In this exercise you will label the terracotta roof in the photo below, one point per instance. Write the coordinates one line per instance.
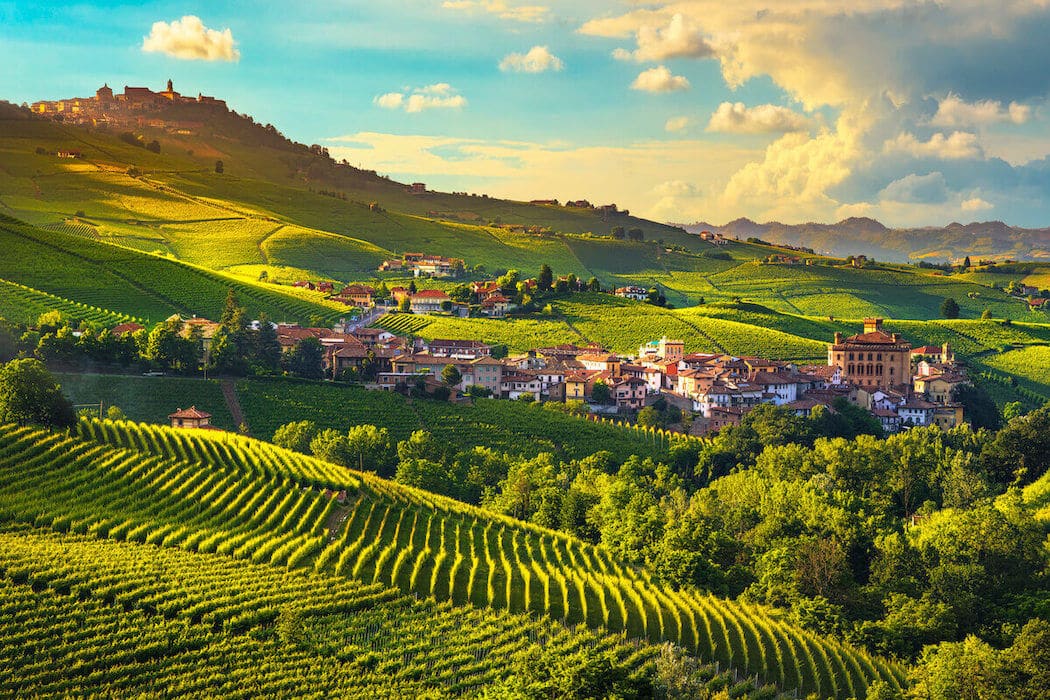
(926, 350)
(125, 328)
(191, 412)
(873, 338)
(430, 294)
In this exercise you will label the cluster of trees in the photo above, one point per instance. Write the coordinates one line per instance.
(136, 140)
(238, 347)
(634, 234)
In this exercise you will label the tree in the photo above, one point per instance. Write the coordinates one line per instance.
(1014, 409)
(986, 314)
(267, 346)
(30, 395)
(166, 346)
(594, 285)
(600, 392)
(405, 305)
(412, 288)
(296, 435)
(636, 234)
(219, 167)
(306, 359)
(649, 417)
(369, 448)
(978, 407)
(477, 391)
(153, 146)
(966, 261)
(949, 308)
(331, 446)
(451, 375)
(545, 279)
(618, 233)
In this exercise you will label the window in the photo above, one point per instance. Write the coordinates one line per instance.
(851, 356)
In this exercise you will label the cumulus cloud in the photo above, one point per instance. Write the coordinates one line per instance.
(954, 111)
(679, 38)
(189, 40)
(416, 100)
(502, 9)
(676, 124)
(736, 118)
(537, 60)
(957, 146)
(659, 79)
(976, 204)
(930, 188)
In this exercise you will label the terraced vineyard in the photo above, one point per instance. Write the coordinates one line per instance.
(135, 619)
(228, 495)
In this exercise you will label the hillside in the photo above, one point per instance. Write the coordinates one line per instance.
(281, 211)
(993, 240)
(231, 499)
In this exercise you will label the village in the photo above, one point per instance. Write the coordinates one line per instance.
(900, 385)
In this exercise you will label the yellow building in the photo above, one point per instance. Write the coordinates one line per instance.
(872, 359)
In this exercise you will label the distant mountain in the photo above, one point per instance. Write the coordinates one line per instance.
(862, 235)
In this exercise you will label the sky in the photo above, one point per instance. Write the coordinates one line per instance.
(913, 112)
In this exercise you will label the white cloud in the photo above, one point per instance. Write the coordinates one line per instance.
(958, 146)
(954, 111)
(502, 9)
(736, 118)
(190, 40)
(391, 100)
(537, 60)
(676, 124)
(976, 204)
(930, 188)
(415, 100)
(659, 79)
(679, 38)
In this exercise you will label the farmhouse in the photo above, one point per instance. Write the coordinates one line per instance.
(428, 301)
(632, 292)
(191, 417)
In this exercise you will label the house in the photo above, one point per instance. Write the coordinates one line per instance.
(629, 393)
(632, 292)
(495, 306)
(577, 386)
(663, 349)
(601, 362)
(68, 153)
(484, 371)
(517, 382)
(417, 188)
(948, 416)
(1037, 304)
(304, 284)
(428, 301)
(890, 420)
(373, 337)
(392, 266)
(939, 387)
(359, 295)
(459, 349)
(720, 417)
(191, 417)
(399, 293)
(916, 411)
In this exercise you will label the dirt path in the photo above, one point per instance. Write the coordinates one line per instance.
(229, 392)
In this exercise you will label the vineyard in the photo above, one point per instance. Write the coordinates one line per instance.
(133, 283)
(199, 493)
(505, 426)
(21, 304)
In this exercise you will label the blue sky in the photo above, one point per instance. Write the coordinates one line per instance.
(912, 112)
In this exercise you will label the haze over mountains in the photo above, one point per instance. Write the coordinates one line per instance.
(862, 235)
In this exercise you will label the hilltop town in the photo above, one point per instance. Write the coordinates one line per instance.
(135, 106)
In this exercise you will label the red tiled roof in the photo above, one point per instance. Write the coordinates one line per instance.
(125, 328)
(191, 412)
(430, 294)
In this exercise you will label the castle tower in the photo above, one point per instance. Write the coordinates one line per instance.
(104, 93)
(171, 88)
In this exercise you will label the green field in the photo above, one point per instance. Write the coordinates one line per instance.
(141, 485)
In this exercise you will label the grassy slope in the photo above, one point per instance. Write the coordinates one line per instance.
(148, 399)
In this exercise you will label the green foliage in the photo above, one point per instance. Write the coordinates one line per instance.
(29, 395)
(306, 359)
(949, 308)
(296, 436)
